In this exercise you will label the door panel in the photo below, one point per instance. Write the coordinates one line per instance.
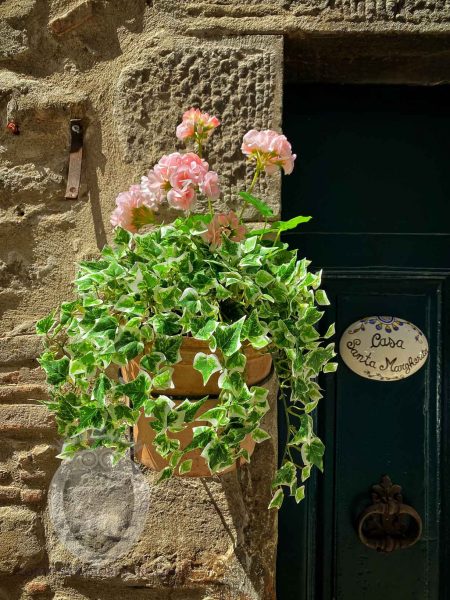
(389, 255)
(384, 428)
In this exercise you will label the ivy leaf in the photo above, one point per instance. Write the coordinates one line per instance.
(216, 416)
(56, 370)
(322, 298)
(259, 435)
(89, 417)
(206, 364)
(185, 467)
(190, 300)
(299, 494)
(249, 244)
(202, 328)
(125, 414)
(105, 325)
(308, 333)
(161, 409)
(101, 387)
(254, 332)
(228, 337)
(330, 331)
(236, 362)
(285, 475)
(137, 390)
(232, 381)
(312, 453)
(201, 437)
(165, 445)
(330, 367)
(169, 346)
(277, 499)
(163, 380)
(168, 297)
(306, 472)
(218, 456)
(263, 278)
(165, 474)
(151, 362)
(122, 236)
(317, 358)
(44, 325)
(304, 431)
(125, 304)
(261, 206)
(189, 409)
(166, 323)
(131, 350)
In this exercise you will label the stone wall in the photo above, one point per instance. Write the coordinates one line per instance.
(128, 69)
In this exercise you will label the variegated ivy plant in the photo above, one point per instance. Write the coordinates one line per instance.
(203, 276)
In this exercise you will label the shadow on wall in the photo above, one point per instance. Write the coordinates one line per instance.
(94, 161)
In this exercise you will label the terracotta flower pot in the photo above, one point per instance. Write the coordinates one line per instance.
(189, 384)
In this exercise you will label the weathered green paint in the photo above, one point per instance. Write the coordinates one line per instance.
(373, 170)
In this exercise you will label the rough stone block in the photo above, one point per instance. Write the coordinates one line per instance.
(23, 418)
(12, 41)
(281, 15)
(23, 393)
(5, 476)
(37, 586)
(238, 79)
(9, 494)
(32, 496)
(37, 466)
(19, 349)
(21, 540)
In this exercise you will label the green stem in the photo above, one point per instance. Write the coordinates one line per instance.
(250, 189)
(198, 143)
(264, 229)
(288, 425)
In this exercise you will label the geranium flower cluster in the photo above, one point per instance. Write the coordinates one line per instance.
(270, 150)
(224, 224)
(178, 178)
(196, 126)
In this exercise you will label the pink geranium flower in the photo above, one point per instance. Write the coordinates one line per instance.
(196, 125)
(129, 205)
(270, 149)
(178, 177)
(224, 224)
(210, 185)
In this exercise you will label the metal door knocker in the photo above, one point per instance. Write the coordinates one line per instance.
(388, 524)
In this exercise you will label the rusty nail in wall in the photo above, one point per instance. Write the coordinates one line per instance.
(13, 127)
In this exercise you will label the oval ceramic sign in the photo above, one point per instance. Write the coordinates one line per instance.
(383, 348)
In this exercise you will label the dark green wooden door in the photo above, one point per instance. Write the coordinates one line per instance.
(374, 171)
